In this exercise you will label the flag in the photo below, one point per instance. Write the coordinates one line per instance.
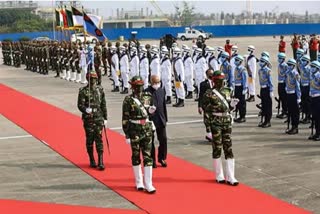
(57, 18)
(64, 18)
(91, 28)
(97, 20)
(69, 19)
(77, 17)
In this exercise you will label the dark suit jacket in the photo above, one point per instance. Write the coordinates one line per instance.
(204, 86)
(160, 117)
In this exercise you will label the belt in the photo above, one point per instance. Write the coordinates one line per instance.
(219, 114)
(281, 81)
(306, 84)
(238, 84)
(315, 95)
(140, 122)
(291, 92)
(264, 86)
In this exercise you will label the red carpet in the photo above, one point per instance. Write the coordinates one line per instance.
(181, 188)
(14, 207)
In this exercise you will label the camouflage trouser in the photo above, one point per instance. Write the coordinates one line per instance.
(141, 143)
(221, 137)
(206, 123)
(93, 132)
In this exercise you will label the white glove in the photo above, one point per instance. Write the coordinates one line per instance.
(152, 109)
(244, 92)
(89, 110)
(271, 94)
(299, 101)
(128, 141)
(234, 102)
(105, 122)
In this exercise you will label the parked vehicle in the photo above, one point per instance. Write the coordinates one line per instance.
(191, 33)
(79, 37)
(41, 38)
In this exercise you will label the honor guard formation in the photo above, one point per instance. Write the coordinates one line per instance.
(219, 79)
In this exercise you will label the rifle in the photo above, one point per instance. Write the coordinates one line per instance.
(278, 106)
(105, 134)
(259, 106)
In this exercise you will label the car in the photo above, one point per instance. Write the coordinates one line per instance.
(79, 37)
(41, 38)
(191, 33)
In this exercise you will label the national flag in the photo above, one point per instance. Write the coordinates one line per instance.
(64, 18)
(57, 18)
(77, 17)
(69, 19)
(91, 28)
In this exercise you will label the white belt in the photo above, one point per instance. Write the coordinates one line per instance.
(140, 122)
(315, 95)
(264, 86)
(238, 84)
(306, 84)
(220, 114)
(281, 81)
(291, 92)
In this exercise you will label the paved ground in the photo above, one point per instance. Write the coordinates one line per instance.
(286, 167)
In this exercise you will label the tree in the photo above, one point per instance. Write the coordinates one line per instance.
(185, 14)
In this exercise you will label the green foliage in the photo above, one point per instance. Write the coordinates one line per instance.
(185, 14)
(21, 20)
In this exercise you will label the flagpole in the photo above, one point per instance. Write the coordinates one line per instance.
(53, 20)
(84, 33)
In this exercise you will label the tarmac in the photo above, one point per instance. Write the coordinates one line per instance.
(286, 167)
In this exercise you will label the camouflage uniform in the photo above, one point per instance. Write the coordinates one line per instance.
(139, 134)
(217, 103)
(94, 98)
(138, 130)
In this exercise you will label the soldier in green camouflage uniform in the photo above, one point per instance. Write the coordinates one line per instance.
(136, 110)
(217, 104)
(92, 104)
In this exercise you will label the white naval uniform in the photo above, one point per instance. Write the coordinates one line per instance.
(155, 66)
(124, 68)
(179, 68)
(114, 69)
(134, 66)
(144, 71)
(188, 72)
(252, 65)
(201, 67)
(165, 69)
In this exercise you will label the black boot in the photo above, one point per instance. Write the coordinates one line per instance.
(91, 158)
(125, 91)
(168, 101)
(293, 130)
(240, 120)
(116, 89)
(266, 125)
(100, 161)
(189, 96)
(251, 98)
(180, 103)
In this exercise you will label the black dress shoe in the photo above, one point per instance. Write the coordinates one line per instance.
(240, 120)
(316, 138)
(260, 124)
(233, 184)
(251, 99)
(311, 137)
(266, 125)
(163, 163)
(220, 181)
(293, 130)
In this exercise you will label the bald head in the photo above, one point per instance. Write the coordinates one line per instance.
(155, 79)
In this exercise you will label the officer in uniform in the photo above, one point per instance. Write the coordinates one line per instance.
(282, 69)
(201, 67)
(155, 62)
(92, 104)
(124, 68)
(178, 71)
(165, 69)
(97, 63)
(188, 70)
(266, 91)
(136, 110)
(134, 62)
(305, 88)
(144, 67)
(315, 98)
(227, 69)
(115, 71)
(293, 96)
(217, 104)
(212, 61)
(252, 70)
(241, 88)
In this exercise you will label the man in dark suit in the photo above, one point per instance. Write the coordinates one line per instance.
(204, 86)
(159, 119)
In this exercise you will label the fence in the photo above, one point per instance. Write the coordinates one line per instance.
(216, 30)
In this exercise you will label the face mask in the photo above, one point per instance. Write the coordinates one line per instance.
(249, 52)
(162, 55)
(261, 64)
(304, 63)
(291, 67)
(280, 60)
(222, 59)
(237, 63)
(156, 86)
(313, 69)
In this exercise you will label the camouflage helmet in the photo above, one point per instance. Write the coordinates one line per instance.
(136, 81)
(218, 75)
(92, 75)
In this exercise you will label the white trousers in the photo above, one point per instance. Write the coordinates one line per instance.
(189, 82)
